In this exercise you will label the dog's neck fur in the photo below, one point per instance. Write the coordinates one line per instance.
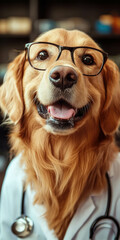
(64, 170)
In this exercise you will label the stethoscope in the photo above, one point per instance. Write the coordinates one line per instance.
(23, 225)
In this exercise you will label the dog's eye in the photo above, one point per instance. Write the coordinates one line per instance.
(88, 59)
(43, 55)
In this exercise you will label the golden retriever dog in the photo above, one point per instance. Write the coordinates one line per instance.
(61, 96)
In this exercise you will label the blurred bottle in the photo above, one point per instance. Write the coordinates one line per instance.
(104, 24)
(116, 23)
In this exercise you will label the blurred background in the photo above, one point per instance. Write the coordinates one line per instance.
(22, 20)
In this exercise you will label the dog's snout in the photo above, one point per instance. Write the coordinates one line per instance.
(63, 77)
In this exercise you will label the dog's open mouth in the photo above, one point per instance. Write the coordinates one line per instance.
(61, 114)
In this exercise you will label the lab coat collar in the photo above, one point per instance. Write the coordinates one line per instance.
(114, 165)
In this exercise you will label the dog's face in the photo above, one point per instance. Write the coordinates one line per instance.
(63, 88)
(64, 97)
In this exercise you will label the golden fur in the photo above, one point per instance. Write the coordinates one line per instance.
(62, 167)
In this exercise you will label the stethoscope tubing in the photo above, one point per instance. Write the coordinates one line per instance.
(22, 205)
(107, 212)
(94, 225)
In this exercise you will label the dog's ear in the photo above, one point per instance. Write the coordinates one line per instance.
(110, 114)
(11, 101)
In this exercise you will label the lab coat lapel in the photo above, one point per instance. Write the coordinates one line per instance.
(37, 212)
(82, 214)
(49, 234)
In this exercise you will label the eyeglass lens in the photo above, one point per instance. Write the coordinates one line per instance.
(88, 60)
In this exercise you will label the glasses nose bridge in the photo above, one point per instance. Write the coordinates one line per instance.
(70, 49)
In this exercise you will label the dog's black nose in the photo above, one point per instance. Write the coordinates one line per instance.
(63, 77)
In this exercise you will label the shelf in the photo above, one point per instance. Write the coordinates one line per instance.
(112, 36)
(14, 35)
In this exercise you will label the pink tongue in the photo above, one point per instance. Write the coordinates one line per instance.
(61, 111)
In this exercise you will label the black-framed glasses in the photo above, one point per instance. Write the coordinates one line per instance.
(88, 59)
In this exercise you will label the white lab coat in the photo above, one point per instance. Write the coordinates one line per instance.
(79, 226)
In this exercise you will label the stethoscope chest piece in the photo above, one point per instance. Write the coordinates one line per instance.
(22, 227)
